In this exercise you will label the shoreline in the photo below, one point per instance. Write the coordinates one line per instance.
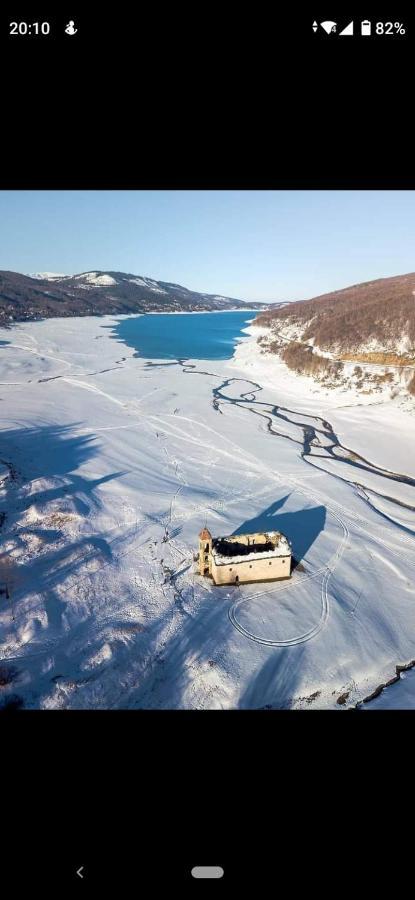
(276, 374)
(159, 312)
(193, 312)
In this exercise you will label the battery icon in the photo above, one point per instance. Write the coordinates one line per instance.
(366, 27)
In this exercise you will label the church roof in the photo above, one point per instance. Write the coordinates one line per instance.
(230, 550)
(205, 535)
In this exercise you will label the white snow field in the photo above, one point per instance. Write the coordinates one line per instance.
(109, 467)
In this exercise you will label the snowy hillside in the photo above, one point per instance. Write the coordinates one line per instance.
(361, 337)
(47, 276)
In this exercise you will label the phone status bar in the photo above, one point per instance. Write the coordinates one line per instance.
(361, 28)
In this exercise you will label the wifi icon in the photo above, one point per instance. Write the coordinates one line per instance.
(329, 27)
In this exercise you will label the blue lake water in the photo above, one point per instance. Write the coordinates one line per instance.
(210, 335)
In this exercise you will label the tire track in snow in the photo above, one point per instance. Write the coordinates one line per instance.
(92, 388)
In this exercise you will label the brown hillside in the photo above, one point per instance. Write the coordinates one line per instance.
(348, 319)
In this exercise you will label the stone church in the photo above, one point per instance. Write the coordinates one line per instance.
(265, 556)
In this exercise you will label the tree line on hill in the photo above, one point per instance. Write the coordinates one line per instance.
(381, 310)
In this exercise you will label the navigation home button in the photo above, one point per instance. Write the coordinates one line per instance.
(207, 872)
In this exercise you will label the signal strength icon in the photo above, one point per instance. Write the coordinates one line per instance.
(347, 30)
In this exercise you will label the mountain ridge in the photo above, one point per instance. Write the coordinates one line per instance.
(43, 295)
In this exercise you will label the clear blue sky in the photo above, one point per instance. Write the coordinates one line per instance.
(254, 245)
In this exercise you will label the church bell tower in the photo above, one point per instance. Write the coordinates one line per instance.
(205, 552)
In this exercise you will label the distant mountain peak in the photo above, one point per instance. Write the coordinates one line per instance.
(47, 276)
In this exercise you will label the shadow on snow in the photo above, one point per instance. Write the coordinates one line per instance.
(301, 528)
(33, 454)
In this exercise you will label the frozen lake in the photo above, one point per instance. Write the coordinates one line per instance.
(211, 335)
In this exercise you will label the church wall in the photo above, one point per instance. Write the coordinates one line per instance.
(256, 570)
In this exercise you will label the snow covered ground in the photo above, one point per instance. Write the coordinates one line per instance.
(109, 467)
